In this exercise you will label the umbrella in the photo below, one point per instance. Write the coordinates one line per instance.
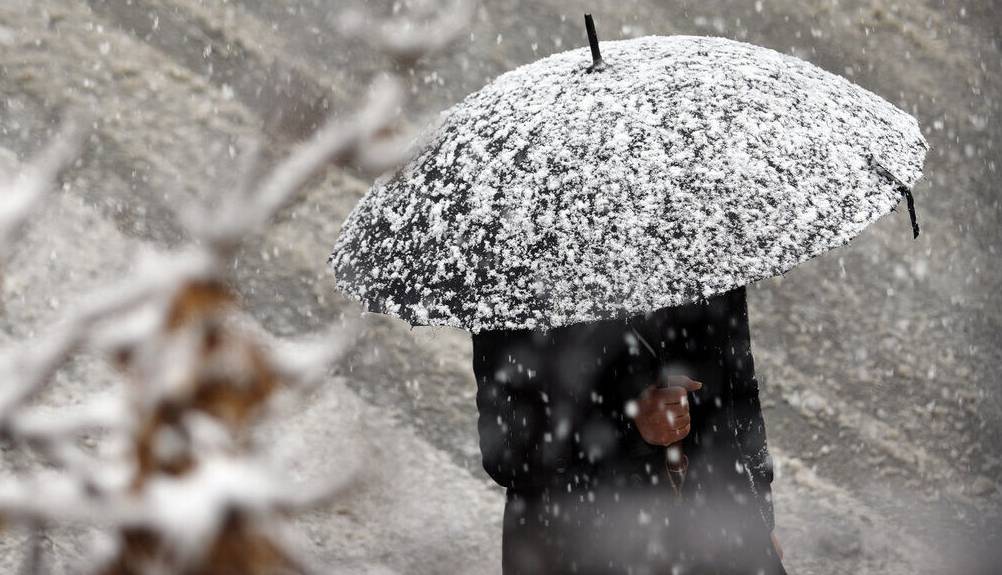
(655, 172)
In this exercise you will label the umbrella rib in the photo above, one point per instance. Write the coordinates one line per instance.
(644, 341)
(903, 188)
(910, 200)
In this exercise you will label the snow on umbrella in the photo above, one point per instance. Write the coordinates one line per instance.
(580, 188)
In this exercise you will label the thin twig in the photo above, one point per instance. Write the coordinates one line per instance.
(20, 196)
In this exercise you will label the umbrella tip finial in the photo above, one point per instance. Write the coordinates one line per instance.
(596, 56)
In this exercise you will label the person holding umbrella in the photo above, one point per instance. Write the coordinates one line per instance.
(575, 423)
(593, 222)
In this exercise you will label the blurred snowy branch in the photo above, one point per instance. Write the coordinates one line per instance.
(168, 470)
(336, 143)
(177, 486)
(21, 194)
(428, 29)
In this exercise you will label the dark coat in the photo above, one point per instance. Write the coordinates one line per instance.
(586, 494)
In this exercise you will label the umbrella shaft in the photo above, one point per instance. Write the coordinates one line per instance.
(596, 55)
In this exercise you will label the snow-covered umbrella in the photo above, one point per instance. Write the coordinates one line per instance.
(581, 188)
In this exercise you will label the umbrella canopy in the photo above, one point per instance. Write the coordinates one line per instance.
(682, 168)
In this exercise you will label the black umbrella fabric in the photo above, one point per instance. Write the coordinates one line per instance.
(681, 168)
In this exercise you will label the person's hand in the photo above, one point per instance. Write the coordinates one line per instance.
(662, 414)
(779, 548)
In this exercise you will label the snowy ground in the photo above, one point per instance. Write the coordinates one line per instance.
(878, 360)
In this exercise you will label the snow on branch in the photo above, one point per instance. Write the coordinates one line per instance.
(335, 144)
(21, 194)
(168, 471)
(429, 29)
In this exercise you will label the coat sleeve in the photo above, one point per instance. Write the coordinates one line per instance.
(747, 410)
(516, 444)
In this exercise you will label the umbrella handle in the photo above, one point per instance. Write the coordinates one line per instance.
(676, 461)
(676, 466)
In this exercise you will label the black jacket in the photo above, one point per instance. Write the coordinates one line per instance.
(586, 493)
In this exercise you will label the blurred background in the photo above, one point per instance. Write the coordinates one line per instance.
(879, 361)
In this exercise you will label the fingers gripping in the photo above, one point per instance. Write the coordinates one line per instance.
(663, 416)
